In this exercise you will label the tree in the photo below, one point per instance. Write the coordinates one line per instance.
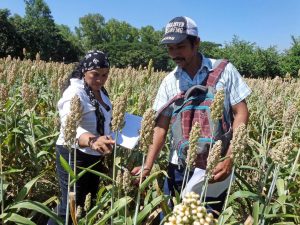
(266, 62)
(120, 31)
(40, 34)
(38, 28)
(70, 37)
(210, 49)
(290, 62)
(10, 41)
(124, 53)
(149, 35)
(91, 30)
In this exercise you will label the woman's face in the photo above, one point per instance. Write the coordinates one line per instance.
(96, 78)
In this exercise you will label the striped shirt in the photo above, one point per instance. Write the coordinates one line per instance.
(178, 80)
(88, 121)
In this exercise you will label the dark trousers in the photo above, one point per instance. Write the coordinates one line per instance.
(88, 183)
(175, 182)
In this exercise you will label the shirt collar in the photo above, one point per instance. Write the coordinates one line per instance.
(76, 82)
(206, 63)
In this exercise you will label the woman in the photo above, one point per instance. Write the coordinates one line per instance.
(94, 142)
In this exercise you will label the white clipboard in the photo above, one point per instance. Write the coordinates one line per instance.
(129, 136)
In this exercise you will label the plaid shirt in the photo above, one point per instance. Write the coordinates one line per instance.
(178, 80)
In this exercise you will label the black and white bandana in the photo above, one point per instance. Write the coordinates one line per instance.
(94, 60)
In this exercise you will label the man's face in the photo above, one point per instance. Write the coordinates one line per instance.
(182, 53)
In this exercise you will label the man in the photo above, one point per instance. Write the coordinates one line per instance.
(182, 42)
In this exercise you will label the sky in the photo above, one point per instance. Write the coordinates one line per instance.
(263, 22)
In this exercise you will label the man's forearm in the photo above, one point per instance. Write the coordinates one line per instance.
(159, 139)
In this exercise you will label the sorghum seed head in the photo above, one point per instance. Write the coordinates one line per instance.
(289, 116)
(216, 108)
(190, 212)
(142, 104)
(275, 108)
(119, 109)
(239, 142)
(3, 94)
(147, 129)
(126, 181)
(79, 212)
(119, 179)
(195, 134)
(72, 121)
(28, 94)
(280, 152)
(87, 202)
(213, 157)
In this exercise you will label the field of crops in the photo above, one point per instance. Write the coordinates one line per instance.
(267, 184)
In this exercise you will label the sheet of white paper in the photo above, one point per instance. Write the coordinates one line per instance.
(129, 136)
(197, 181)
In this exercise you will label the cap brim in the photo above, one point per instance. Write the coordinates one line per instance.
(173, 38)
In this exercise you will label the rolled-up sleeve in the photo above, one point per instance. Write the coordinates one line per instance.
(235, 86)
(161, 100)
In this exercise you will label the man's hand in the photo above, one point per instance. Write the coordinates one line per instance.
(137, 172)
(222, 170)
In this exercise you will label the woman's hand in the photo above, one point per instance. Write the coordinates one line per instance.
(103, 144)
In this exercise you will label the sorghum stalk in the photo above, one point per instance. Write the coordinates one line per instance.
(270, 194)
(1, 174)
(227, 196)
(146, 138)
(238, 145)
(119, 109)
(71, 125)
(139, 192)
(126, 188)
(294, 165)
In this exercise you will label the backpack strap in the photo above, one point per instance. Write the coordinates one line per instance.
(213, 76)
(217, 70)
(170, 102)
(193, 89)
